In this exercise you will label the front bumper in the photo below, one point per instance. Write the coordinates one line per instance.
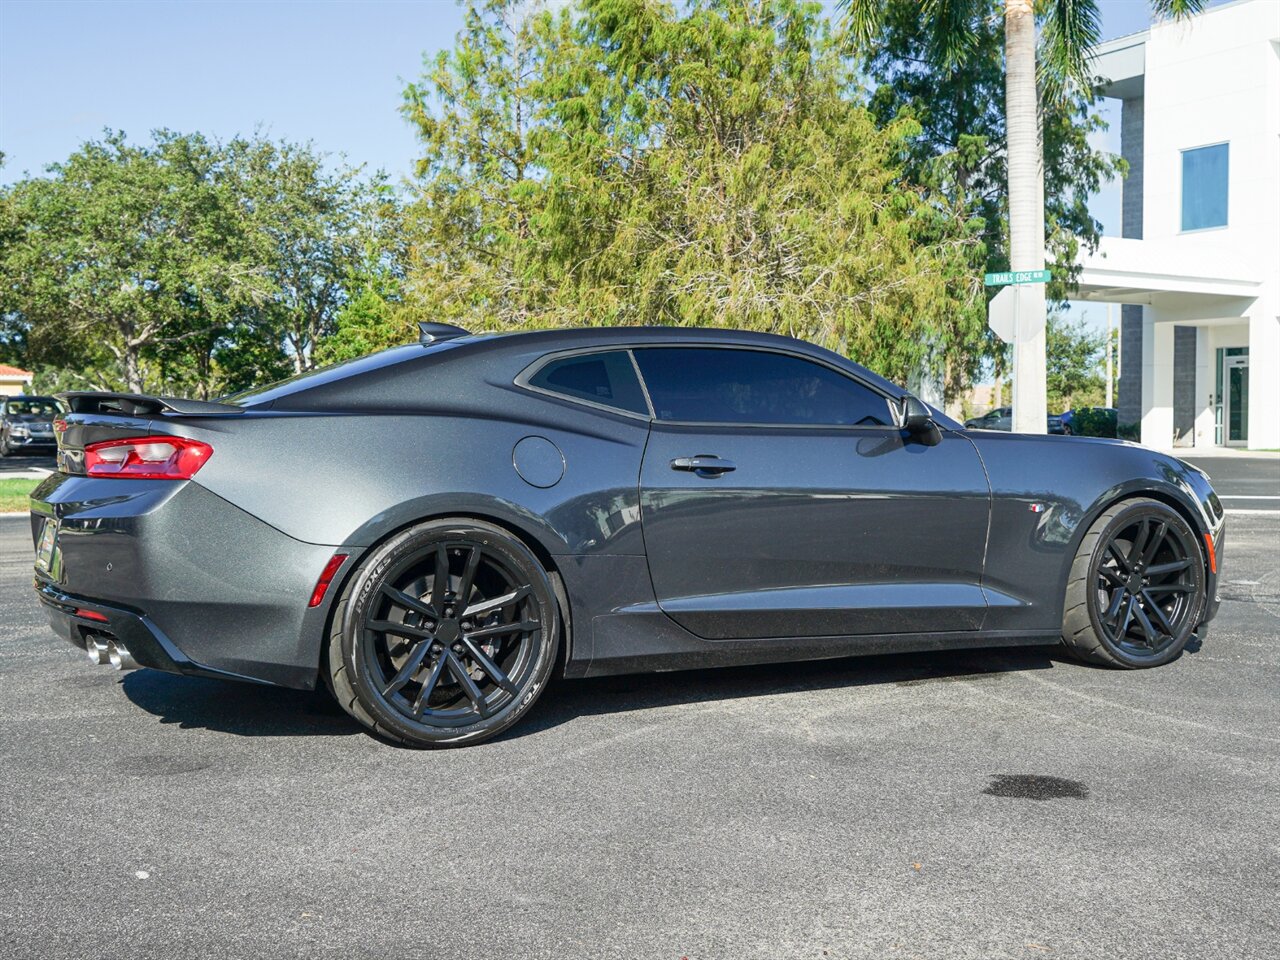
(1214, 578)
(33, 443)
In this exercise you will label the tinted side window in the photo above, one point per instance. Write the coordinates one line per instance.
(754, 386)
(607, 378)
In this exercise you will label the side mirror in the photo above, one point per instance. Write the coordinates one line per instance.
(914, 417)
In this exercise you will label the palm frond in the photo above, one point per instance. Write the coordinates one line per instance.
(1069, 30)
(951, 32)
(863, 18)
(1175, 9)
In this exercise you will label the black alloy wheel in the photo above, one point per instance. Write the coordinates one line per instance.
(447, 635)
(1137, 597)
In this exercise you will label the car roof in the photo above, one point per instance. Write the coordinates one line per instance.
(503, 356)
(576, 338)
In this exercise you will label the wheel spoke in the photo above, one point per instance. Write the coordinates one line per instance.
(1148, 631)
(1112, 575)
(1139, 544)
(468, 576)
(440, 584)
(487, 606)
(399, 629)
(1119, 557)
(489, 667)
(1153, 543)
(521, 626)
(406, 672)
(1128, 616)
(1169, 588)
(1113, 611)
(468, 685)
(1161, 620)
(428, 686)
(1160, 569)
(402, 599)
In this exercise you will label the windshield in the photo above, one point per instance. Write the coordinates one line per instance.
(33, 407)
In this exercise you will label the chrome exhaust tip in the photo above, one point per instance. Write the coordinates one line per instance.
(96, 650)
(120, 656)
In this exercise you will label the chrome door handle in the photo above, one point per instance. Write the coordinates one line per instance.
(703, 465)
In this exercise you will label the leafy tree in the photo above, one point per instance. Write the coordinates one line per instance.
(124, 250)
(1068, 28)
(632, 162)
(306, 227)
(1074, 376)
(182, 266)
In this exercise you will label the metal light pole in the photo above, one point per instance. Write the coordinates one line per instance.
(1109, 394)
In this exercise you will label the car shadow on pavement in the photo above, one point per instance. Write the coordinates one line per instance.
(249, 710)
(570, 699)
(243, 709)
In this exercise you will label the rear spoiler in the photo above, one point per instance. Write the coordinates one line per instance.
(138, 405)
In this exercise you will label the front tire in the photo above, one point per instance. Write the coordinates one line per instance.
(1136, 588)
(446, 635)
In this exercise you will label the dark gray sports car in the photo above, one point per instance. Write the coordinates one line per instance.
(434, 530)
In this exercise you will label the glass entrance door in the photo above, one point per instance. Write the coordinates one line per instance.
(1235, 378)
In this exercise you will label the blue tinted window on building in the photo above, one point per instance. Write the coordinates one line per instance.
(1204, 187)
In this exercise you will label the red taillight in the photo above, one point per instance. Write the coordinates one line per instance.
(146, 458)
(90, 615)
(326, 578)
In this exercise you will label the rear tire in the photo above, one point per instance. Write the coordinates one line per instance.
(1136, 588)
(431, 660)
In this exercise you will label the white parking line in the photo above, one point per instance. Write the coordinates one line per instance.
(1247, 496)
(1253, 513)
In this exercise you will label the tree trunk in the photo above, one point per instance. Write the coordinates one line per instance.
(1026, 212)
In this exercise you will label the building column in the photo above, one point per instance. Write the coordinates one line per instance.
(1157, 384)
(1129, 397)
(1264, 377)
(1205, 382)
(1185, 340)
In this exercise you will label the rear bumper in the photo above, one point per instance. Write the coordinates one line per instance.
(146, 643)
(187, 581)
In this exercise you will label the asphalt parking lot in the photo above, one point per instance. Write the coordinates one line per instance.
(984, 804)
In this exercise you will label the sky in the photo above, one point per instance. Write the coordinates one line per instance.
(327, 71)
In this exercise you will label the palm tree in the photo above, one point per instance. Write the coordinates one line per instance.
(1069, 28)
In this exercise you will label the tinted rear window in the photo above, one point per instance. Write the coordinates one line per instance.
(707, 385)
(606, 378)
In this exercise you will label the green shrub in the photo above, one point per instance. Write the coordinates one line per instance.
(1094, 422)
(1130, 431)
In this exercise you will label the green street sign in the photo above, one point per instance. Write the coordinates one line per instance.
(1015, 276)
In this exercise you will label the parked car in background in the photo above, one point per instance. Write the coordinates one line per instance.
(1091, 422)
(1001, 418)
(26, 423)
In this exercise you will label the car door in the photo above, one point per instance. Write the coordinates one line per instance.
(778, 500)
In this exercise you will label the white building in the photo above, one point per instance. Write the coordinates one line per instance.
(1198, 264)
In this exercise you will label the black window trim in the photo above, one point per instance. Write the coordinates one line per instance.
(528, 373)
(522, 380)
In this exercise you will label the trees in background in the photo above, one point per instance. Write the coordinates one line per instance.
(1073, 373)
(709, 164)
(182, 265)
(1046, 65)
(700, 162)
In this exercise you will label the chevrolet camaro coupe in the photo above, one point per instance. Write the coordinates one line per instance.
(434, 531)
